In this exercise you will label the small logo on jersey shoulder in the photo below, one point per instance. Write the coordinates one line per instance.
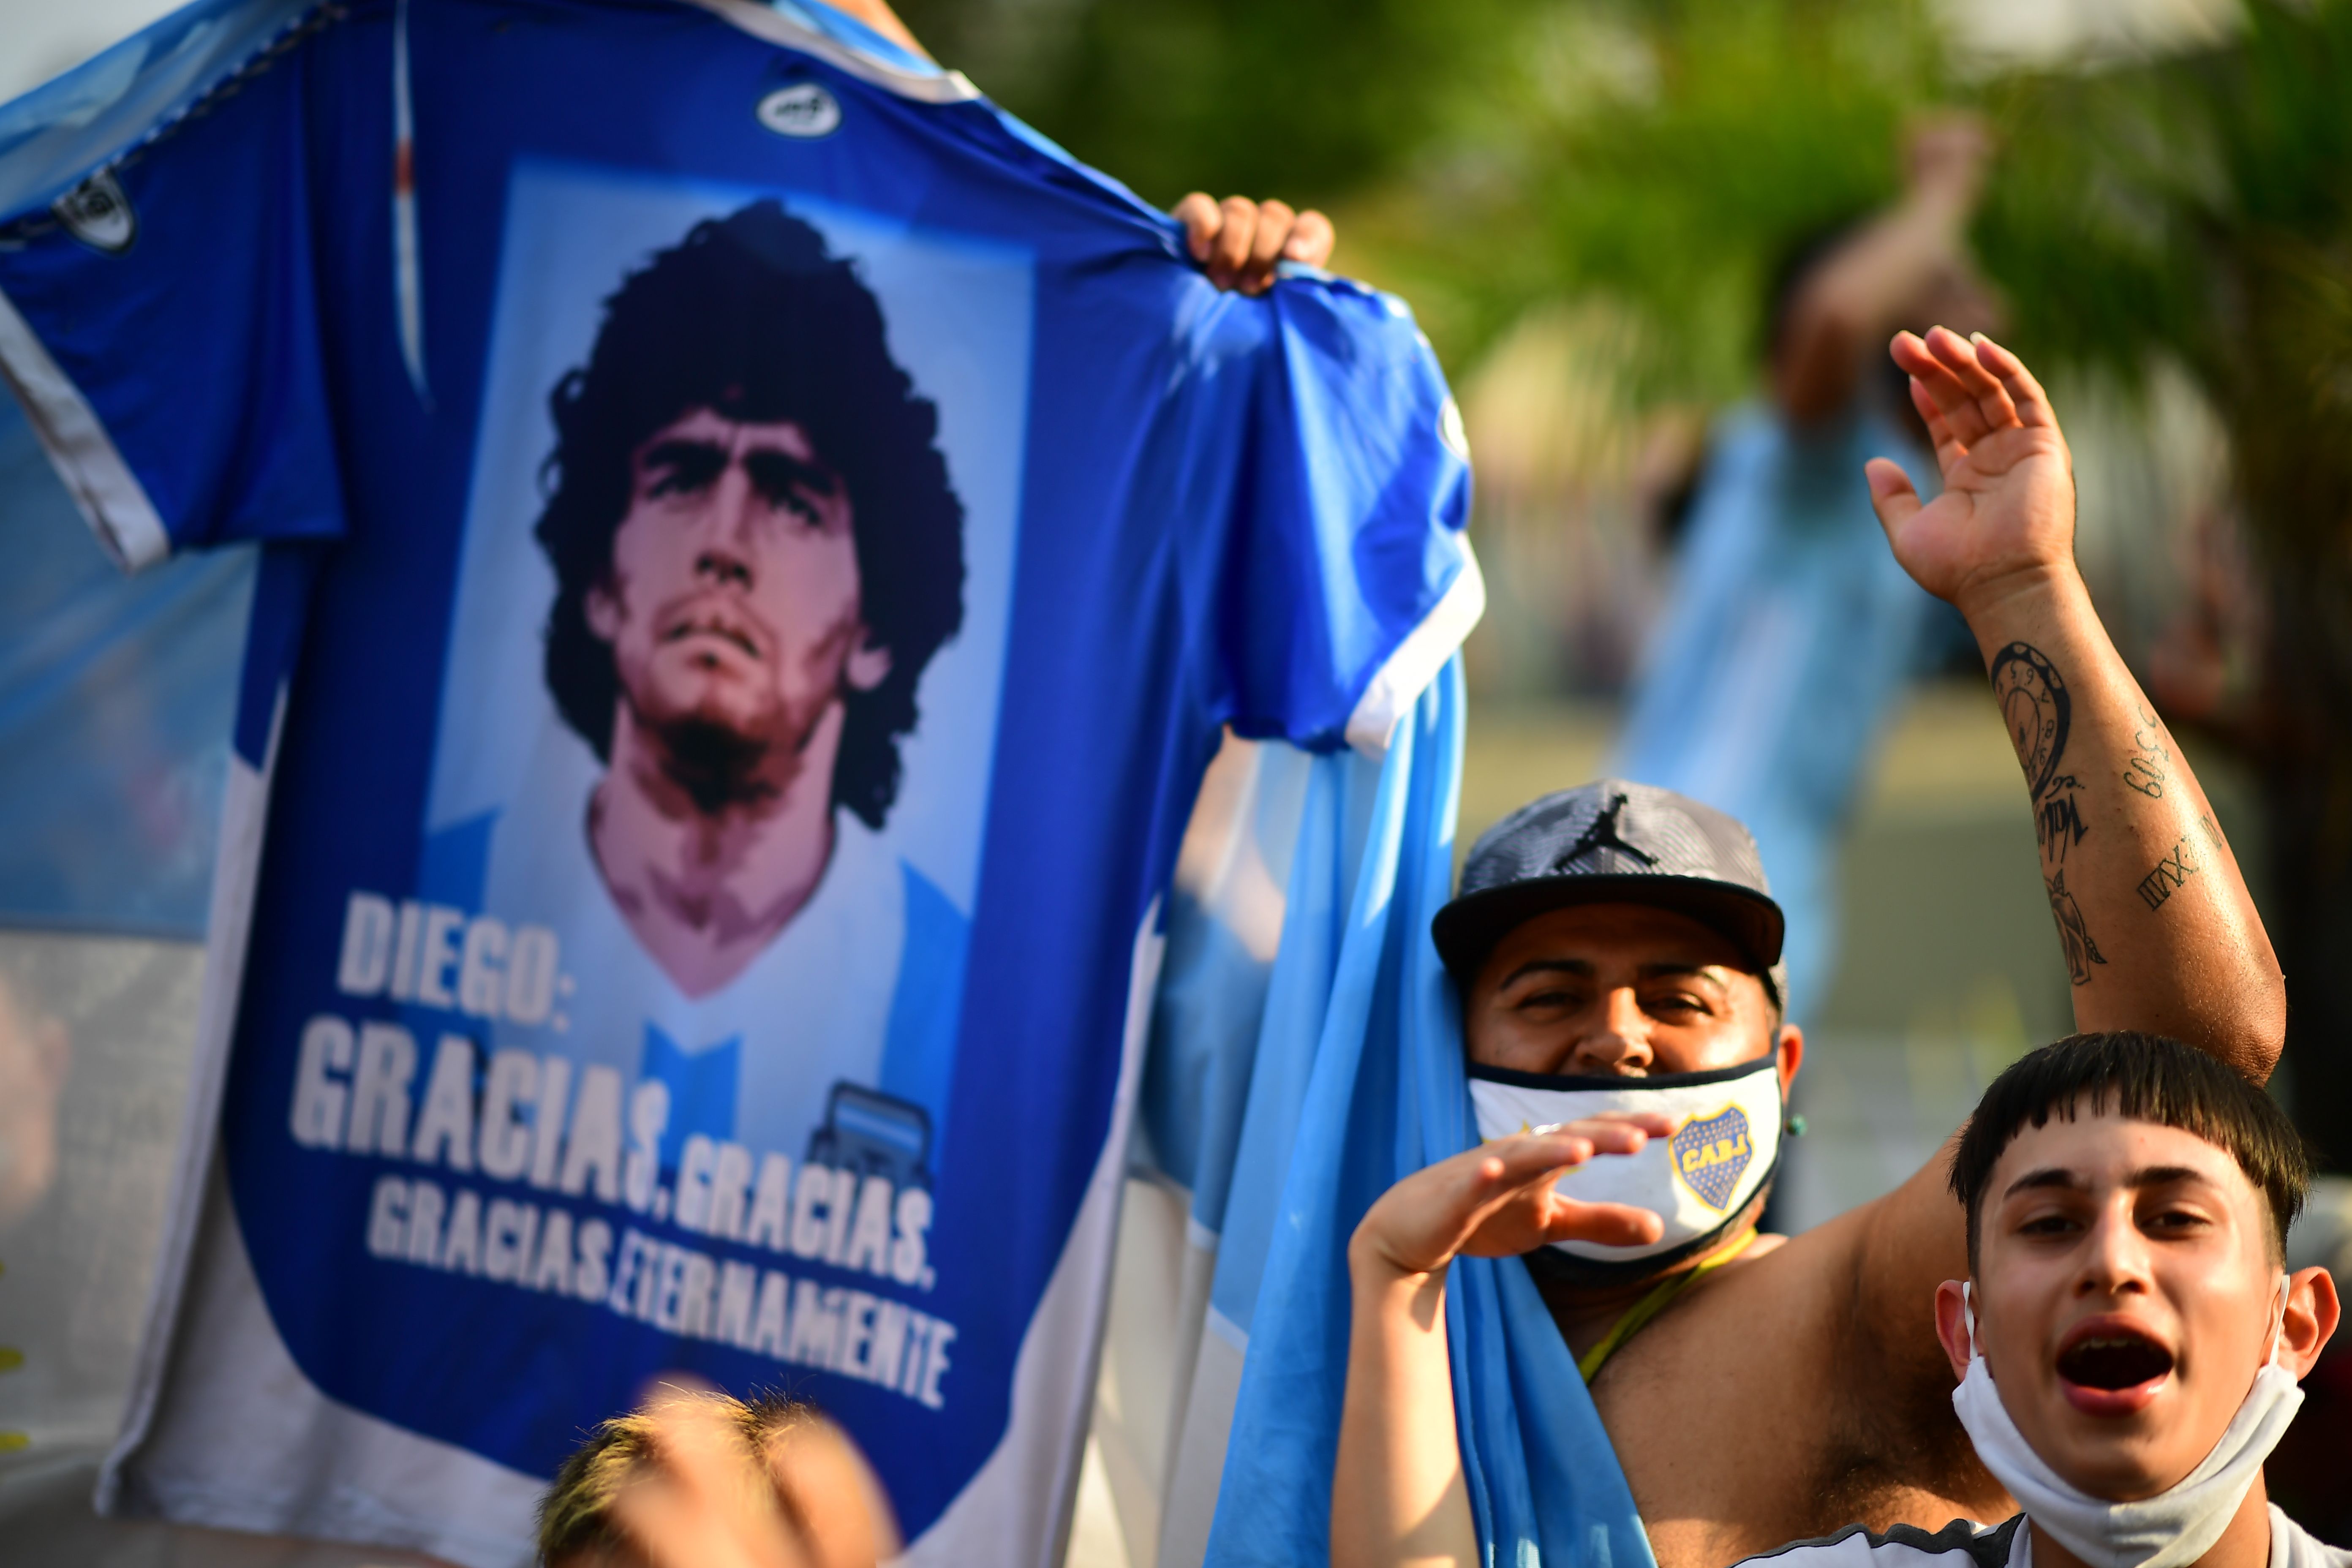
(97, 212)
(804, 110)
(1711, 1155)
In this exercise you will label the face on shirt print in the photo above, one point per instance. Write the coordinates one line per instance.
(757, 552)
(731, 603)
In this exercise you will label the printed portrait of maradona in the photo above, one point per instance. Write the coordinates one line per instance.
(757, 551)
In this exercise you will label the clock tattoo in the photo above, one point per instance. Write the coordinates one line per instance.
(2036, 709)
(2035, 706)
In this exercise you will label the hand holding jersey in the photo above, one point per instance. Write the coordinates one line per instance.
(1599, 966)
(1241, 243)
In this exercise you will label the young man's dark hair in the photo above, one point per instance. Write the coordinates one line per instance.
(2143, 1077)
(750, 317)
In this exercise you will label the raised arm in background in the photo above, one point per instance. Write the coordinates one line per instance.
(1912, 255)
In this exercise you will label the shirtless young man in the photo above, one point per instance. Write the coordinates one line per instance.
(1826, 1397)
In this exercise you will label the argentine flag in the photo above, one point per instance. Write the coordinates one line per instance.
(1287, 1098)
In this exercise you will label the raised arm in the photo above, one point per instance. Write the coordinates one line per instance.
(2159, 931)
(1397, 1494)
(1863, 289)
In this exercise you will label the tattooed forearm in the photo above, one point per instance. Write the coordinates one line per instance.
(2150, 767)
(2072, 934)
(2036, 708)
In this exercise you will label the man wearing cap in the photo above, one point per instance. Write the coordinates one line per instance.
(1618, 958)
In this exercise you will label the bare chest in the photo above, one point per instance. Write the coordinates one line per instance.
(1737, 1439)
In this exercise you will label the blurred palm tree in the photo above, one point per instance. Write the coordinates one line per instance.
(2200, 208)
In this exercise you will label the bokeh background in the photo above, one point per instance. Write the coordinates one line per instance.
(1588, 204)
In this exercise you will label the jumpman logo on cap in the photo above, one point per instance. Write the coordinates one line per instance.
(1601, 834)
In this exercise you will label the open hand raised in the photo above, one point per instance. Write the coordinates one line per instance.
(1497, 1200)
(2006, 516)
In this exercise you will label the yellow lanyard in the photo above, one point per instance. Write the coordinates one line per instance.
(1638, 1316)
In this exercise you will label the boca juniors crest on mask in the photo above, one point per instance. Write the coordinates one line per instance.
(1698, 1181)
(1710, 1155)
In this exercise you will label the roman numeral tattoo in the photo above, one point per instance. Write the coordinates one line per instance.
(2174, 869)
(2170, 872)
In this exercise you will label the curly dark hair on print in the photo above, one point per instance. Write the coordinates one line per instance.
(749, 315)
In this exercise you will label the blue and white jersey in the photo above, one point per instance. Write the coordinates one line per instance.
(760, 549)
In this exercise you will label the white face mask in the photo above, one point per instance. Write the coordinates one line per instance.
(2172, 1529)
(1726, 1143)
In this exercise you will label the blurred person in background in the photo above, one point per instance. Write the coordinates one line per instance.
(1790, 632)
(695, 1479)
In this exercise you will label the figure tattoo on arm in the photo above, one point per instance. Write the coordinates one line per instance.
(2072, 934)
(2035, 706)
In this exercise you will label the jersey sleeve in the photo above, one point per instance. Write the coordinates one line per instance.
(1348, 580)
(159, 318)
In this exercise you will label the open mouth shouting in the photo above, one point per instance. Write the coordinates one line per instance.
(2109, 1366)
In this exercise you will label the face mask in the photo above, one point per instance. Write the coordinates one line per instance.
(1727, 1141)
(2170, 1529)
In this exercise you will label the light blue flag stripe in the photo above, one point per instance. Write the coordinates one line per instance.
(1358, 1079)
(1341, 794)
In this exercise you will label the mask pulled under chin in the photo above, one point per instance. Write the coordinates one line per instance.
(2170, 1529)
(1726, 1144)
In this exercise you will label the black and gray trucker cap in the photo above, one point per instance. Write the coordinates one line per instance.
(1615, 842)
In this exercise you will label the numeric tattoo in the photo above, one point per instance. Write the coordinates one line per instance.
(2150, 768)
